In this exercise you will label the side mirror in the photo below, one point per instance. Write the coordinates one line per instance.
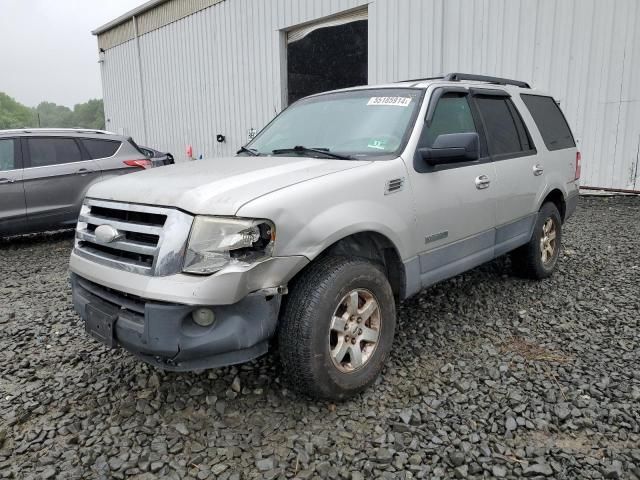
(452, 148)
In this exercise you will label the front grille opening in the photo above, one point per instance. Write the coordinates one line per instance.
(154, 219)
(142, 237)
(145, 260)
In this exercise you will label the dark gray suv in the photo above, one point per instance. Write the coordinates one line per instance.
(44, 174)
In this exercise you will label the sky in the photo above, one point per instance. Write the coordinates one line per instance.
(47, 51)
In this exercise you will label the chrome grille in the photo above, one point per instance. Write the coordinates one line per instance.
(150, 240)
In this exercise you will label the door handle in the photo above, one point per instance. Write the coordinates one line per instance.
(482, 182)
(6, 180)
(537, 169)
(83, 171)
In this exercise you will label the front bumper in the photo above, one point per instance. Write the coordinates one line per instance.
(163, 334)
(226, 287)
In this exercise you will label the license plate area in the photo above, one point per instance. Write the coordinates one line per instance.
(100, 322)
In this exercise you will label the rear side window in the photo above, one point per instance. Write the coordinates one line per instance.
(7, 154)
(53, 151)
(135, 145)
(550, 121)
(100, 148)
(505, 129)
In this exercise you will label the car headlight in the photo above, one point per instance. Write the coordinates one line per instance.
(216, 242)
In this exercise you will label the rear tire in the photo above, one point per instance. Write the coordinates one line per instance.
(538, 258)
(336, 327)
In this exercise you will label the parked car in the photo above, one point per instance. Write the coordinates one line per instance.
(44, 174)
(157, 158)
(345, 204)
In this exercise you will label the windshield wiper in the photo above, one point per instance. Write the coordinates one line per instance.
(250, 151)
(320, 151)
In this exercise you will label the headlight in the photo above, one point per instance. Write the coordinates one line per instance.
(215, 242)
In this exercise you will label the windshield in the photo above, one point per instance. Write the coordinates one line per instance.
(353, 124)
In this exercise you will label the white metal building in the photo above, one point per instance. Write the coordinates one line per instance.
(181, 72)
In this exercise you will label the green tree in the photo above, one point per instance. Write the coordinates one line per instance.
(89, 114)
(13, 114)
(50, 115)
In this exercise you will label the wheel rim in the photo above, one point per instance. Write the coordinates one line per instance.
(355, 330)
(548, 241)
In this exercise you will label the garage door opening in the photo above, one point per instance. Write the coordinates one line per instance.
(327, 55)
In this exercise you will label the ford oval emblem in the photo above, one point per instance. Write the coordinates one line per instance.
(107, 234)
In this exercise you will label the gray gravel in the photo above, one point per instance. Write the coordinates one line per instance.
(491, 376)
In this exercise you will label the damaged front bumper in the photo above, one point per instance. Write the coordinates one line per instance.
(165, 335)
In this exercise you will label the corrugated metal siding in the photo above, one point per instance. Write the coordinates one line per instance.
(120, 89)
(169, 12)
(152, 19)
(219, 70)
(117, 35)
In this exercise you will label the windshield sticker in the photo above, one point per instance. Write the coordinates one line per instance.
(396, 101)
(378, 144)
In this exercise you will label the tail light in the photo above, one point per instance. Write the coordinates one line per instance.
(142, 163)
(578, 165)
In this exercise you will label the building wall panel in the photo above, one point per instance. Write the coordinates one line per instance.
(220, 70)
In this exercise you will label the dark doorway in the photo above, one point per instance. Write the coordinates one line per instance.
(326, 59)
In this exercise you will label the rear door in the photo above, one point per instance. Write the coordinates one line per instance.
(519, 178)
(56, 177)
(13, 209)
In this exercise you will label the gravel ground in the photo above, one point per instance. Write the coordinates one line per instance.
(491, 376)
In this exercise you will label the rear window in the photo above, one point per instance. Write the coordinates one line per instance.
(100, 148)
(550, 121)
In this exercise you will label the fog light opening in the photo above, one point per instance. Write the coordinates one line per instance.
(203, 317)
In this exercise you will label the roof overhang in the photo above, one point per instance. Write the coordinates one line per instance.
(127, 16)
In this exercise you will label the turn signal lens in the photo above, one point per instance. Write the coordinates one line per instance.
(578, 165)
(142, 163)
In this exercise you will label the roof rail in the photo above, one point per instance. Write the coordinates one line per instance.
(56, 130)
(439, 77)
(456, 77)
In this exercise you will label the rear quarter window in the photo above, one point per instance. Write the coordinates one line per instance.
(100, 148)
(550, 121)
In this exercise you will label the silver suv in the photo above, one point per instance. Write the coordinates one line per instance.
(45, 173)
(345, 204)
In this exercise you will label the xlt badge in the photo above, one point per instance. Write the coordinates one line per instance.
(436, 236)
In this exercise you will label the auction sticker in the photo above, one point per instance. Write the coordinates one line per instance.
(396, 101)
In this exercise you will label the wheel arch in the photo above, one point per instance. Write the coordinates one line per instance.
(558, 198)
(373, 246)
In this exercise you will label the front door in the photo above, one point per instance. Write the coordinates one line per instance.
(12, 205)
(455, 203)
(56, 178)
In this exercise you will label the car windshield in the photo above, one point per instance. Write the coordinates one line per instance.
(352, 124)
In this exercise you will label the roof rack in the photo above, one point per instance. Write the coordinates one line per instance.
(439, 77)
(456, 77)
(56, 130)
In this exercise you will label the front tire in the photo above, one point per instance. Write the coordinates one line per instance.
(538, 258)
(336, 327)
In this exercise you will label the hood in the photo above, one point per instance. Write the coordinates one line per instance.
(218, 186)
